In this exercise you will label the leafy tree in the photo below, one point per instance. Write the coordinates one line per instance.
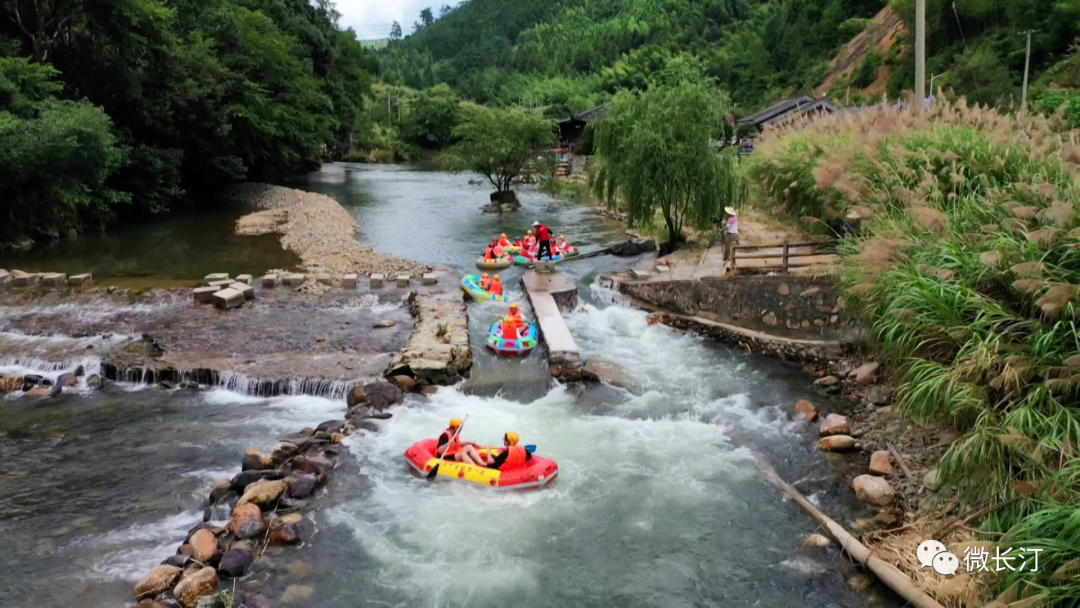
(659, 152)
(426, 17)
(501, 144)
(395, 31)
(444, 10)
(432, 117)
(56, 155)
(980, 77)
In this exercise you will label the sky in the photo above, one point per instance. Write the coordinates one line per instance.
(372, 18)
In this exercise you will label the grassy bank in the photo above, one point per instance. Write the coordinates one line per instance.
(967, 271)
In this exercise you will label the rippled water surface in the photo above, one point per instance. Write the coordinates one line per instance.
(658, 501)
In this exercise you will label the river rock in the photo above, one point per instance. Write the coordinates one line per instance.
(330, 426)
(835, 424)
(873, 489)
(95, 382)
(195, 585)
(807, 410)
(381, 395)
(161, 579)
(836, 443)
(10, 384)
(241, 480)
(312, 464)
(302, 487)
(283, 451)
(880, 463)
(867, 373)
(254, 460)
(178, 561)
(356, 397)
(235, 563)
(384, 324)
(44, 391)
(827, 382)
(205, 544)
(247, 521)
(405, 383)
(263, 492)
(221, 489)
(284, 534)
(878, 395)
(816, 540)
(297, 594)
(67, 379)
(930, 479)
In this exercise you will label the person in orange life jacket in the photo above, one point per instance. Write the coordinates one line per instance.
(513, 457)
(498, 250)
(509, 329)
(562, 246)
(503, 241)
(496, 286)
(485, 281)
(530, 240)
(515, 314)
(543, 234)
(489, 253)
(454, 449)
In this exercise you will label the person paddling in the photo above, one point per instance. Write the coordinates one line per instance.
(455, 450)
(496, 286)
(514, 456)
(509, 329)
(515, 314)
(485, 282)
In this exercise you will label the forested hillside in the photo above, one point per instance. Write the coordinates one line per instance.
(566, 55)
(121, 106)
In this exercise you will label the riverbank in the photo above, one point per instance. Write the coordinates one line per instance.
(317, 228)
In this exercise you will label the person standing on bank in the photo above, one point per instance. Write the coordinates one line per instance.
(731, 236)
(543, 235)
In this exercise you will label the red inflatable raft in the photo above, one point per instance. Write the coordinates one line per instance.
(537, 472)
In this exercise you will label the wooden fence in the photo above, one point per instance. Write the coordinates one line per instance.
(783, 256)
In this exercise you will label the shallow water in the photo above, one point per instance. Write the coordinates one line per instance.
(658, 501)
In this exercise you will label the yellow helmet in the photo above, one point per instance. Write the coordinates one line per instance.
(497, 278)
(511, 437)
(513, 305)
(483, 276)
(504, 235)
(530, 232)
(456, 422)
(562, 236)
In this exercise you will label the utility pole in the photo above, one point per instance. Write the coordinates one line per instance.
(920, 55)
(1027, 63)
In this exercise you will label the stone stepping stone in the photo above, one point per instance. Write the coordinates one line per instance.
(80, 279)
(294, 280)
(429, 278)
(243, 278)
(323, 279)
(53, 279)
(221, 283)
(349, 281)
(228, 298)
(403, 280)
(377, 280)
(217, 276)
(25, 279)
(244, 288)
(270, 280)
(204, 295)
(5, 277)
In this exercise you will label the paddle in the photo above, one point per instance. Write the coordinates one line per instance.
(435, 469)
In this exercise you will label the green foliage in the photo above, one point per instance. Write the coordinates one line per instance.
(1067, 101)
(432, 118)
(968, 274)
(501, 145)
(866, 73)
(55, 155)
(980, 77)
(659, 155)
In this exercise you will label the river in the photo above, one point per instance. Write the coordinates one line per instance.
(658, 502)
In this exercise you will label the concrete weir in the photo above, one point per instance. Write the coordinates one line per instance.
(550, 294)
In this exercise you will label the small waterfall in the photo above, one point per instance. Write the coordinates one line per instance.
(336, 390)
(52, 370)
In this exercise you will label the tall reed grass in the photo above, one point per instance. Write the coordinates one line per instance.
(967, 268)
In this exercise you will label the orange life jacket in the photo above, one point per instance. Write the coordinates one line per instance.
(495, 287)
(488, 254)
(516, 316)
(455, 443)
(504, 241)
(509, 330)
(498, 251)
(515, 458)
(485, 284)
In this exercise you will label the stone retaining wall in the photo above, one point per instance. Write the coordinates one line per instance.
(788, 306)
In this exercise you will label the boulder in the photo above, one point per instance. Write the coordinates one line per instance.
(827, 382)
(356, 397)
(836, 443)
(263, 492)
(405, 383)
(873, 489)
(247, 522)
(205, 545)
(241, 480)
(161, 579)
(835, 424)
(312, 464)
(867, 373)
(284, 534)
(337, 438)
(254, 460)
(228, 298)
(195, 585)
(330, 426)
(807, 410)
(68, 379)
(221, 490)
(878, 395)
(235, 563)
(302, 486)
(297, 594)
(880, 464)
(283, 451)
(381, 395)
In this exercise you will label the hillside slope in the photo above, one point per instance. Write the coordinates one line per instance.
(883, 31)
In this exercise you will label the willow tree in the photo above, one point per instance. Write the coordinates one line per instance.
(660, 153)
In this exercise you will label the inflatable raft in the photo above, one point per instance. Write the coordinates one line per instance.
(497, 264)
(526, 262)
(512, 249)
(522, 346)
(471, 285)
(537, 472)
